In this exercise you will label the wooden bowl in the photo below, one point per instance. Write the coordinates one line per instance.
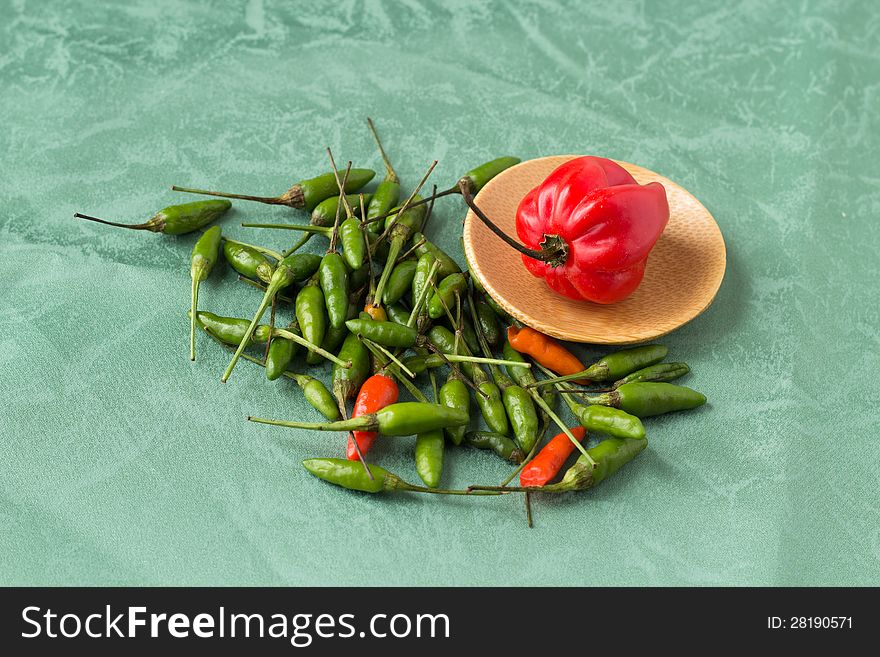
(682, 276)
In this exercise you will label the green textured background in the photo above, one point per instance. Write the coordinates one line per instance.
(123, 463)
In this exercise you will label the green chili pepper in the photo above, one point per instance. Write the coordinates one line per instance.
(647, 399)
(609, 456)
(658, 373)
(231, 330)
(354, 246)
(476, 179)
(491, 403)
(448, 266)
(469, 335)
(281, 353)
(204, 256)
(347, 381)
(422, 362)
(387, 334)
(311, 316)
(324, 214)
(399, 282)
(400, 227)
(247, 261)
(387, 192)
(616, 365)
(304, 194)
(353, 475)
(316, 394)
(607, 420)
(522, 415)
(501, 445)
(488, 322)
(446, 291)
(333, 277)
(175, 219)
(302, 265)
(430, 446)
(401, 419)
(454, 393)
(397, 314)
(421, 278)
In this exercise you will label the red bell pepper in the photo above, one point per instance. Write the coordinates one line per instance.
(588, 229)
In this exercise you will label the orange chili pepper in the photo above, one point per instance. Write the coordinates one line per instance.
(550, 459)
(376, 312)
(545, 350)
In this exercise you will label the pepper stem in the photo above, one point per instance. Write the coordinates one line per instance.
(305, 228)
(458, 358)
(408, 203)
(192, 326)
(301, 243)
(390, 174)
(311, 346)
(556, 420)
(271, 200)
(393, 371)
(583, 374)
(271, 290)
(518, 489)
(262, 286)
(458, 373)
(406, 254)
(143, 226)
(361, 423)
(391, 356)
(554, 250)
(430, 209)
(342, 200)
(405, 485)
(393, 250)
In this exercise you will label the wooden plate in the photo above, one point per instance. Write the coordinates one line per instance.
(683, 273)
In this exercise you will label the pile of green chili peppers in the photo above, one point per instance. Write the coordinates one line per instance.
(377, 298)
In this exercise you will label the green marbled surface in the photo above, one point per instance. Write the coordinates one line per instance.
(123, 463)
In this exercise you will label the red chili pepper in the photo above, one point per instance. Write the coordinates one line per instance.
(376, 393)
(588, 229)
(550, 459)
